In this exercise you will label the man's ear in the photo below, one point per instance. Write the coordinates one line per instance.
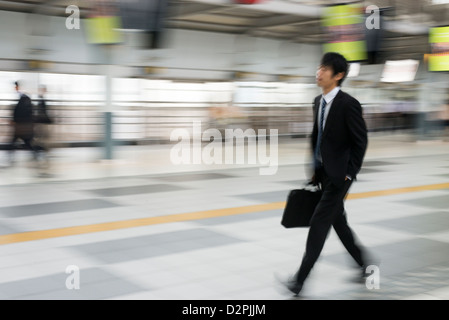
(339, 76)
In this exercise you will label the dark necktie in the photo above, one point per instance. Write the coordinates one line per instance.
(318, 162)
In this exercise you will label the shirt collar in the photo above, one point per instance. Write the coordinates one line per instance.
(332, 94)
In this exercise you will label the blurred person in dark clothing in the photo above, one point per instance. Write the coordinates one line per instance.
(444, 117)
(42, 130)
(339, 142)
(22, 124)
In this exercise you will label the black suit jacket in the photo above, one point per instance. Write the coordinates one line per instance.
(344, 140)
(41, 115)
(23, 112)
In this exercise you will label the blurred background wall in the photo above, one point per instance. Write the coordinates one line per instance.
(218, 61)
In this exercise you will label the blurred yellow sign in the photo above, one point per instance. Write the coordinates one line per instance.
(344, 26)
(103, 30)
(439, 41)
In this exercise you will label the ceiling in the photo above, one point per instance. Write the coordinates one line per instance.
(404, 28)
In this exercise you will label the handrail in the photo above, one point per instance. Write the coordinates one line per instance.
(81, 123)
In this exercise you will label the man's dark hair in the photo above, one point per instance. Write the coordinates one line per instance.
(337, 63)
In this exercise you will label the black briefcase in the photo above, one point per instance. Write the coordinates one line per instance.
(301, 204)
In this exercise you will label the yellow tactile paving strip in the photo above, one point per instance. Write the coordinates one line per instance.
(109, 226)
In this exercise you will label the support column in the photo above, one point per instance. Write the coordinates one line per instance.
(108, 117)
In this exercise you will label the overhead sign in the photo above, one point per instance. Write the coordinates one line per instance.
(439, 43)
(344, 26)
(400, 71)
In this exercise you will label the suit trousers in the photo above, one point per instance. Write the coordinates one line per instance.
(24, 131)
(329, 212)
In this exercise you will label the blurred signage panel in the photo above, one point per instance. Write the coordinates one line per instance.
(103, 25)
(248, 1)
(103, 30)
(147, 16)
(142, 14)
(354, 70)
(400, 71)
(344, 26)
(439, 44)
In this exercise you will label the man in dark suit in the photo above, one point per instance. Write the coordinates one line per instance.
(339, 142)
(22, 123)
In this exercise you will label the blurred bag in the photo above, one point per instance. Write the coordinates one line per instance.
(301, 204)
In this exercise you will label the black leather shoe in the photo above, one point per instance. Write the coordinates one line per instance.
(294, 287)
(290, 284)
(364, 273)
(361, 278)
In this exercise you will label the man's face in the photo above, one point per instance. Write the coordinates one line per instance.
(325, 77)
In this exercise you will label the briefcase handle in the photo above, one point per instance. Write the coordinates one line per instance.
(310, 186)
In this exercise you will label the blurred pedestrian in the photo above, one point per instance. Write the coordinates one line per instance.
(444, 117)
(22, 124)
(42, 131)
(339, 142)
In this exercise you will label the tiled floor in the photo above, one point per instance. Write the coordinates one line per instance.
(213, 231)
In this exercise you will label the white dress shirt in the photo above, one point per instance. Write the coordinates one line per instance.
(329, 97)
